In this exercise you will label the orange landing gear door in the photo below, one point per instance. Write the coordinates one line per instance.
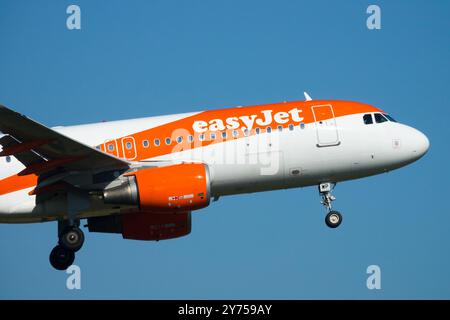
(326, 128)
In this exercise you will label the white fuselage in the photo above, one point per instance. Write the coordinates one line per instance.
(293, 157)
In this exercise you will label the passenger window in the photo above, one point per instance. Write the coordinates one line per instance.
(235, 133)
(190, 138)
(280, 128)
(368, 119)
(145, 143)
(168, 141)
(245, 130)
(179, 139)
(302, 125)
(213, 136)
(201, 137)
(224, 134)
(156, 142)
(268, 129)
(379, 118)
(110, 147)
(257, 130)
(291, 127)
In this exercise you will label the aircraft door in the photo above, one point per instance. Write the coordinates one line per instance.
(326, 128)
(129, 148)
(111, 147)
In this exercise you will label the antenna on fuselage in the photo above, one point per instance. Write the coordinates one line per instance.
(307, 97)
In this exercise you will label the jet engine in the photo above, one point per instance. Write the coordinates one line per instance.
(173, 188)
(144, 225)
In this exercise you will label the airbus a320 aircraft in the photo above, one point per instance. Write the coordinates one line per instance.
(142, 178)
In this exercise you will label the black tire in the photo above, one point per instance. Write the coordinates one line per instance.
(333, 219)
(72, 239)
(61, 258)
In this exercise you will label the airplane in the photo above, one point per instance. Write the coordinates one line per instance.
(142, 178)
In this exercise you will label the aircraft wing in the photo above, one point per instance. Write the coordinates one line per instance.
(42, 149)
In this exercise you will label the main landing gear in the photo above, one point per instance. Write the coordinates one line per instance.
(333, 218)
(71, 239)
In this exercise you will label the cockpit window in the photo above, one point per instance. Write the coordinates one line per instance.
(389, 117)
(379, 118)
(368, 119)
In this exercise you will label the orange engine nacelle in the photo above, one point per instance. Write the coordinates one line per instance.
(181, 187)
(148, 226)
(144, 225)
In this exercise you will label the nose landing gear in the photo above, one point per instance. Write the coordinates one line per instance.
(333, 218)
(71, 239)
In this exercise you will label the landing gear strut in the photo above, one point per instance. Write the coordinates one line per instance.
(71, 239)
(333, 218)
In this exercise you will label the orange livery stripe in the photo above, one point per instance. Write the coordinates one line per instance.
(16, 183)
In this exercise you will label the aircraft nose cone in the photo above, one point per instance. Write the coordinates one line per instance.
(420, 144)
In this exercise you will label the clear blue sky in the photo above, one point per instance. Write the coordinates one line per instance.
(141, 58)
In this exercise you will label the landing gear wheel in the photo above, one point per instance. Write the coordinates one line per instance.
(333, 219)
(72, 239)
(61, 258)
